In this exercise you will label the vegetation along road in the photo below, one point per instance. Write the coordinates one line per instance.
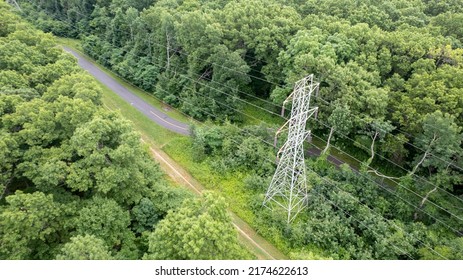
(151, 112)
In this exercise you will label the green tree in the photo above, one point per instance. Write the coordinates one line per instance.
(429, 92)
(109, 160)
(339, 120)
(200, 229)
(29, 226)
(79, 85)
(145, 216)
(440, 141)
(87, 247)
(105, 219)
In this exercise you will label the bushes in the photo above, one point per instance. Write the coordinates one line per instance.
(233, 149)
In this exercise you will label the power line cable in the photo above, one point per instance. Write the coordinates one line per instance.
(225, 93)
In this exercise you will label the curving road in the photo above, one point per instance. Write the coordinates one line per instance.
(151, 112)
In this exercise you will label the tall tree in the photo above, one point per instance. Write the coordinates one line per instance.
(29, 226)
(87, 247)
(339, 120)
(200, 229)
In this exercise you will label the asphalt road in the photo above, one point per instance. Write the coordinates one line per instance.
(151, 112)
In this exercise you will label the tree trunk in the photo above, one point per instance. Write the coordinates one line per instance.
(328, 141)
(424, 157)
(415, 216)
(167, 50)
(14, 3)
(382, 175)
(372, 149)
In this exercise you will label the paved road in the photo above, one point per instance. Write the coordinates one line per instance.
(151, 112)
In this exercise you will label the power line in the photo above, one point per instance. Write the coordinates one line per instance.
(270, 144)
(392, 162)
(319, 176)
(153, 64)
(345, 136)
(416, 208)
(407, 142)
(234, 70)
(372, 210)
(338, 207)
(453, 164)
(376, 170)
(261, 108)
(365, 225)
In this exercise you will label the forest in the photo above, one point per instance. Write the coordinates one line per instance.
(76, 182)
(391, 98)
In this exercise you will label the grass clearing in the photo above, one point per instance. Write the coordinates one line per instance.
(255, 116)
(229, 185)
(72, 43)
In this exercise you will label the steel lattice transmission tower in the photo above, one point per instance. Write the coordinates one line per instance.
(288, 188)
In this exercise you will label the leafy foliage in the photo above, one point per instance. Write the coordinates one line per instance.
(29, 225)
(86, 247)
(70, 171)
(199, 229)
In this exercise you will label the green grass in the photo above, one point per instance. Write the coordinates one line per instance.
(229, 185)
(68, 42)
(256, 115)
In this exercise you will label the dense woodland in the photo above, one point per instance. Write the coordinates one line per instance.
(391, 94)
(75, 181)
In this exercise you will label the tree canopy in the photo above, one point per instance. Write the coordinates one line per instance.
(200, 229)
